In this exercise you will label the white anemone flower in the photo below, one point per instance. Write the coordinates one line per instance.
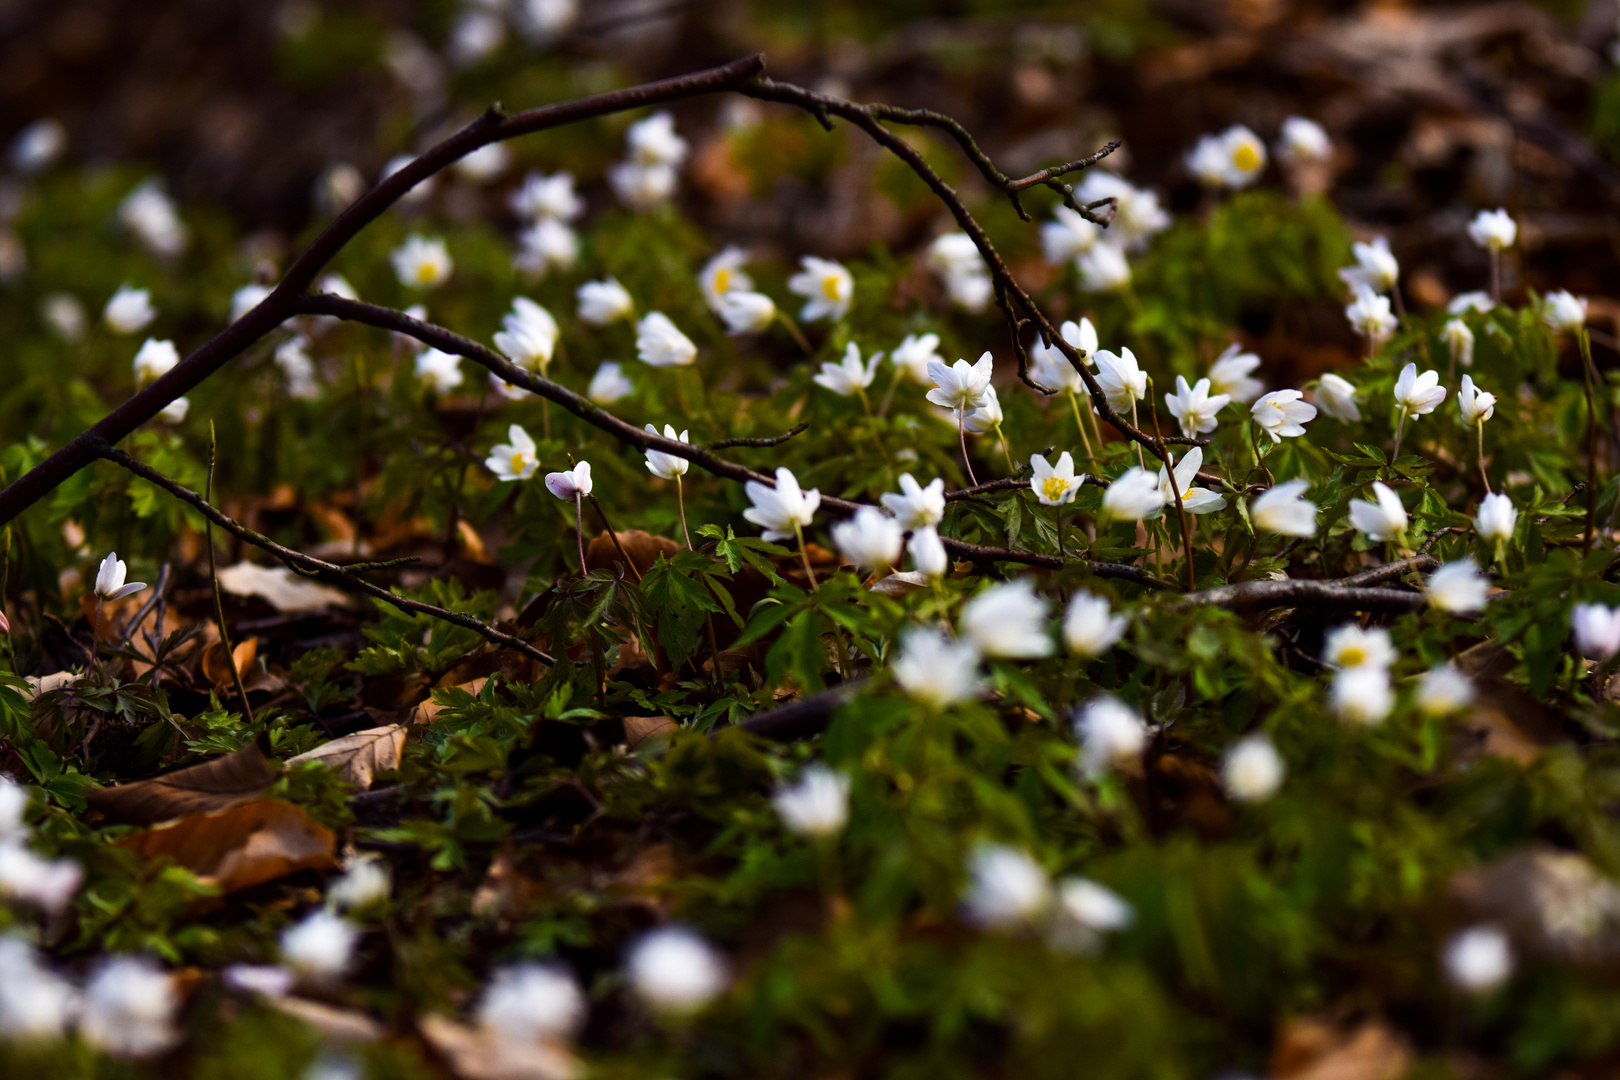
(128, 1009)
(1007, 620)
(1350, 646)
(1564, 310)
(1443, 690)
(1138, 216)
(781, 510)
(673, 970)
(505, 390)
(365, 881)
(490, 161)
(154, 360)
(1283, 413)
(1464, 302)
(36, 1004)
(1067, 236)
(828, 289)
(293, 358)
(913, 355)
(110, 584)
(1370, 315)
(817, 805)
(871, 539)
(602, 303)
(987, 417)
(1496, 519)
(1006, 888)
(422, 262)
(1104, 269)
(129, 311)
(1051, 369)
(571, 484)
(1493, 229)
(1054, 485)
(321, 947)
(64, 314)
(541, 196)
(653, 141)
(175, 411)
(1122, 381)
(1301, 141)
(1194, 500)
(955, 255)
(149, 213)
(1194, 407)
(1381, 520)
(1084, 912)
(916, 506)
(1336, 397)
(748, 313)
(1110, 734)
(642, 187)
(609, 384)
(1376, 267)
(1090, 627)
(1458, 587)
(530, 1003)
(1474, 405)
(528, 335)
(1251, 770)
(47, 884)
(1132, 496)
(934, 670)
(1362, 695)
(1478, 960)
(14, 802)
(37, 146)
(723, 274)
(1229, 374)
(1418, 395)
(247, 298)
(928, 554)
(546, 245)
(1234, 159)
(962, 385)
(1597, 630)
(848, 376)
(515, 459)
(438, 371)
(1284, 511)
(667, 466)
(660, 344)
(1459, 341)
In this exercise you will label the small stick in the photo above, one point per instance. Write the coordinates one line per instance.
(213, 576)
(614, 536)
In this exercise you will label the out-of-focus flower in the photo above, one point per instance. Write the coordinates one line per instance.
(1478, 959)
(528, 335)
(1460, 341)
(871, 539)
(667, 466)
(642, 187)
(1235, 158)
(528, 1003)
(1194, 407)
(1382, 520)
(1597, 630)
(1337, 398)
(928, 553)
(653, 141)
(748, 312)
(828, 289)
(339, 185)
(439, 371)
(1350, 646)
(128, 1009)
(321, 947)
(723, 274)
(1133, 495)
(1376, 267)
(1496, 519)
(1370, 316)
(1194, 500)
(488, 162)
(36, 1004)
(64, 314)
(1493, 229)
(544, 21)
(1283, 413)
(546, 245)
(609, 384)
(515, 459)
(154, 360)
(955, 258)
(1051, 369)
(129, 311)
(48, 884)
(247, 298)
(1138, 217)
(1563, 310)
(604, 302)
(1122, 381)
(673, 970)
(1229, 374)
(110, 584)
(1458, 586)
(1090, 627)
(781, 510)
(1086, 910)
(298, 369)
(1284, 511)
(1362, 695)
(1444, 690)
(37, 146)
(935, 670)
(422, 262)
(571, 484)
(1103, 268)
(914, 354)
(1252, 771)
(1007, 620)
(150, 214)
(1067, 236)
(1054, 485)
(1463, 303)
(987, 417)
(365, 882)
(1006, 888)
(916, 506)
(175, 411)
(817, 805)
(848, 376)
(1301, 141)
(1110, 732)
(541, 196)
(660, 344)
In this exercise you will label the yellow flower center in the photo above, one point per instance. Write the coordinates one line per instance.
(1246, 157)
(832, 285)
(722, 279)
(1354, 656)
(1054, 488)
(517, 461)
(425, 273)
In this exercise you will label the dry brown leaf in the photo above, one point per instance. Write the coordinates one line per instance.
(638, 729)
(360, 756)
(1315, 1049)
(643, 549)
(505, 893)
(343, 1025)
(286, 591)
(244, 846)
(474, 1055)
(429, 710)
(217, 670)
(200, 789)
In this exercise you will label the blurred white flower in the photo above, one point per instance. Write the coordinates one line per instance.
(1229, 374)
(1235, 158)
(1460, 341)
(1362, 695)
(571, 484)
(1067, 236)
(1350, 646)
(13, 810)
(1475, 406)
(1138, 217)
(48, 884)
(928, 553)
(1337, 398)
(955, 258)
(154, 360)
(1370, 316)
(267, 980)
(1283, 413)
(321, 947)
(528, 335)
(298, 369)
(1284, 511)
(150, 214)
(36, 1004)
(914, 354)
(529, 1003)
(1194, 500)
(609, 384)
(1478, 959)
(129, 311)
(871, 539)
(642, 187)
(1194, 407)
(515, 459)
(1054, 485)
(987, 417)
(848, 376)
(604, 302)
(962, 385)
(491, 160)
(1493, 229)
(64, 314)
(1418, 395)
(1090, 627)
(546, 245)
(916, 506)
(418, 192)
(817, 805)
(1301, 141)
(1496, 519)
(935, 670)
(543, 21)
(723, 274)
(1085, 911)
(667, 466)
(1597, 630)
(1252, 771)
(1376, 268)
(110, 583)
(1103, 268)
(827, 287)
(247, 298)
(1382, 520)
(1122, 381)
(1132, 496)
(1443, 690)
(541, 196)
(1110, 732)
(175, 411)
(1005, 888)
(653, 141)
(674, 970)
(439, 371)
(1007, 620)
(128, 1010)
(1563, 310)
(783, 509)
(37, 146)
(422, 262)
(1463, 303)
(660, 344)
(749, 313)
(339, 185)
(366, 880)
(1051, 369)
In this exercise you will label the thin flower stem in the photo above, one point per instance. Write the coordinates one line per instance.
(798, 532)
(1496, 274)
(1483, 475)
(1079, 422)
(680, 501)
(1139, 459)
(888, 395)
(579, 529)
(1400, 428)
(213, 577)
(794, 331)
(1591, 438)
(614, 536)
(1175, 488)
(1005, 452)
(961, 433)
(866, 404)
(1400, 305)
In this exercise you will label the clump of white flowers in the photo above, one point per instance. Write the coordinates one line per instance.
(675, 971)
(320, 948)
(129, 1007)
(529, 1003)
(955, 258)
(36, 1004)
(1233, 159)
(47, 884)
(654, 154)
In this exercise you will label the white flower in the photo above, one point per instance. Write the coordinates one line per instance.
(1597, 630)
(546, 245)
(439, 371)
(660, 344)
(1460, 340)
(422, 262)
(1283, 413)
(1337, 398)
(601, 303)
(1302, 141)
(1478, 959)
(1369, 315)
(1067, 236)
(298, 369)
(970, 291)
(751, 313)
(154, 360)
(1090, 627)
(418, 192)
(110, 579)
(928, 553)
(541, 196)
(36, 146)
(320, 947)
(1283, 510)
(1350, 646)
(1006, 888)
(516, 459)
(365, 882)
(506, 390)
(848, 376)
(1252, 770)
(674, 970)
(818, 805)
(247, 298)
(609, 384)
(1476, 406)
(1103, 269)
(1235, 158)
(667, 466)
(337, 285)
(64, 314)
(1382, 520)
(1054, 486)
(935, 670)
(489, 161)
(1444, 690)
(175, 411)
(916, 506)
(1493, 229)
(528, 336)
(1362, 695)
(987, 417)
(1137, 213)
(1458, 586)
(48, 884)
(1122, 381)
(642, 187)
(826, 286)
(962, 385)
(543, 21)
(528, 1003)
(955, 258)
(1229, 374)
(653, 141)
(129, 1008)
(1417, 395)
(1085, 911)
(265, 980)
(1194, 500)
(1376, 268)
(1207, 161)
(871, 539)
(129, 311)
(36, 1004)
(914, 354)
(1496, 519)
(13, 810)
(1007, 620)
(1463, 303)
(1564, 311)
(338, 186)
(1110, 732)
(1133, 495)
(723, 274)
(1194, 407)
(149, 213)
(781, 510)
(1051, 369)
(571, 484)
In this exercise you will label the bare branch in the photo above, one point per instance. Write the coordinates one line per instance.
(770, 440)
(1056, 171)
(1254, 595)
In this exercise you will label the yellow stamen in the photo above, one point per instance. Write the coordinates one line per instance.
(517, 462)
(1246, 157)
(722, 279)
(1054, 488)
(1353, 657)
(832, 285)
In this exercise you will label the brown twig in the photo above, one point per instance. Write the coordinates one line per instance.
(768, 440)
(213, 578)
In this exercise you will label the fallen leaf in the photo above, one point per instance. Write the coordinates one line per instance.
(200, 789)
(1315, 1049)
(342, 1025)
(428, 711)
(360, 756)
(285, 590)
(217, 670)
(643, 549)
(638, 729)
(474, 1054)
(243, 846)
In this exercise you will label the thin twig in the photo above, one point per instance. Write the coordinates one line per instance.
(213, 578)
(767, 440)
